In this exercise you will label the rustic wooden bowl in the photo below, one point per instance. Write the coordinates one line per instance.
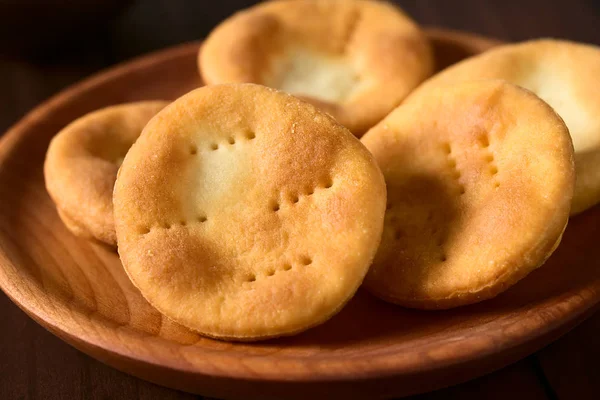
(78, 290)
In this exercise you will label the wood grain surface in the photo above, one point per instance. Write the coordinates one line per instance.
(34, 364)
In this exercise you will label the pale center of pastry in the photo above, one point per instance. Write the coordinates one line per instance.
(220, 170)
(323, 77)
(557, 91)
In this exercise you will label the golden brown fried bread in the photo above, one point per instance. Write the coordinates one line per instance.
(565, 75)
(480, 179)
(355, 59)
(245, 213)
(82, 162)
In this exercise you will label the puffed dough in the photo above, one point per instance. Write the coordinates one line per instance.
(566, 76)
(245, 213)
(480, 178)
(355, 59)
(82, 162)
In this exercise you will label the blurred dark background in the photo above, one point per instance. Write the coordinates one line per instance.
(48, 45)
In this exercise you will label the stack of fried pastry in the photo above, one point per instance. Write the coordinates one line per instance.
(249, 209)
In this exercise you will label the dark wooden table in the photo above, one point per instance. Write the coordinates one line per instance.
(39, 60)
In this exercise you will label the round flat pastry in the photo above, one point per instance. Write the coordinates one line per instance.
(565, 75)
(82, 163)
(245, 213)
(355, 59)
(480, 178)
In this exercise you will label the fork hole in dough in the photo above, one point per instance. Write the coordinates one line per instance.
(484, 141)
(493, 170)
(327, 183)
(287, 267)
(461, 190)
(295, 198)
(271, 272)
(251, 278)
(193, 150)
(202, 218)
(305, 260)
(144, 230)
(275, 206)
(447, 148)
(231, 140)
(251, 135)
(214, 146)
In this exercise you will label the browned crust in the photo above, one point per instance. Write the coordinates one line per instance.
(82, 162)
(476, 201)
(563, 73)
(389, 51)
(245, 213)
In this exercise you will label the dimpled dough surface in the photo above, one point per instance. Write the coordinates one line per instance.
(476, 200)
(566, 76)
(245, 213)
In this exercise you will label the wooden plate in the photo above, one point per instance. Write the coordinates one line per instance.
(78, 290)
